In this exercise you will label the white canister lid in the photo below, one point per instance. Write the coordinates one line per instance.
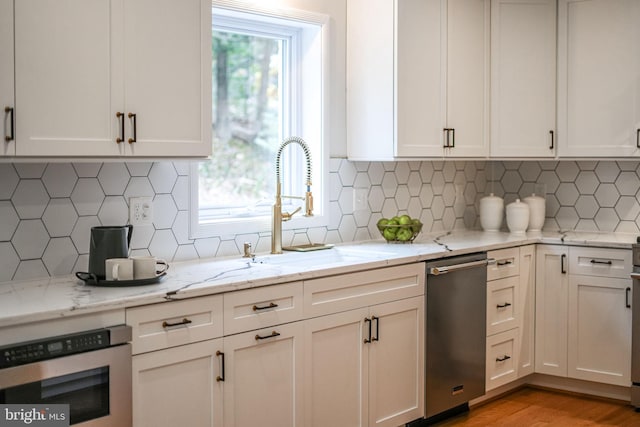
(533, 198)
(492, 196)
(517, 204)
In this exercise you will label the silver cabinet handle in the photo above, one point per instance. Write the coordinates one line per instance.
(435, 271)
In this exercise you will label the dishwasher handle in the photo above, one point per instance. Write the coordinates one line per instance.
(436, 271)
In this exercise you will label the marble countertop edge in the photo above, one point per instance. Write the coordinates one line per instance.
(64, 296)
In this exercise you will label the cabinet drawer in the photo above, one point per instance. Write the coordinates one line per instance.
(354, 290)
(502, 363)
(175, 323)
(502, 298)
(262, 307)
(600, 262)
(507, 263)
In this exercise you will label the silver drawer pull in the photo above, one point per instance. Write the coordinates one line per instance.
(505, 305)
(436, 271)
(271, 305)
(184, 321)
(503, 358)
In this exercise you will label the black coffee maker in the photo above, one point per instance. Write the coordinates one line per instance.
(108, 242)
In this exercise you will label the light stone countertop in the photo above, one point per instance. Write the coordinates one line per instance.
(64, 296)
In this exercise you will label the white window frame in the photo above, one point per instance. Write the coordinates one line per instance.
(312, 99)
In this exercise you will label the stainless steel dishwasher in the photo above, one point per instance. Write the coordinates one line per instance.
(456, 293)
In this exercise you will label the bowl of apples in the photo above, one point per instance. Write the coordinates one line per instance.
(400, 229)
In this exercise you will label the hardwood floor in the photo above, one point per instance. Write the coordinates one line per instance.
(537, 407)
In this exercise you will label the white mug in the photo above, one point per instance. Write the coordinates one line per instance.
(118, 269)
(146, 267)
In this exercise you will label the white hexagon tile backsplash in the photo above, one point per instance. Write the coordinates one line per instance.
(47, 210)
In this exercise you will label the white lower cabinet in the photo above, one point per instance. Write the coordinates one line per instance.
(502, 358)
(324, 352)
(178, 387)
(177, 362)
(263, 382)
(583, 321)
(526, 306)
(552, 287)
(364, 367)
(510, 315)
(599, 342)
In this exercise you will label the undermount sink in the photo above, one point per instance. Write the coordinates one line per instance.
(312, 258)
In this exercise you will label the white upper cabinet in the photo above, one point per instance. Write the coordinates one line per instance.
(598, 78)
(68, 81)
(90, 74)
(415, 69)
(418, 108)
(167, 76)
(467, 74)
(7, 102)
(523, 78)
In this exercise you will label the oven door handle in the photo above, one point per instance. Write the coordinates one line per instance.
(635, 276)
(436, 271)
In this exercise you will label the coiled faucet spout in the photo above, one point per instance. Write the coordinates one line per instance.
(278, 215)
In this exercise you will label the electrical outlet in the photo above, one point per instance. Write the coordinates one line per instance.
(140, 211)
(360, 200)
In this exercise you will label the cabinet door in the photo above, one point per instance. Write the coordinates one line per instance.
(263, 379)
(502, 359)
(418, 79)
(467, 77)
(168, 76)
(178, 387)
(370, 89)
(523, 77)
(600, 329)
(598, 77)
(526, 309)
(551, 310)
(502, 304)
(68, 77)
(336, 370)
(7, 147)
(396, 362)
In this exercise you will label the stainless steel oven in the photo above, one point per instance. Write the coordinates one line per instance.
(90, 371)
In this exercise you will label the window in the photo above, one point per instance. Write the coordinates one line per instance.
(267, 81)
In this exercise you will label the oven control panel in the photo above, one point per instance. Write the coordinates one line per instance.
(49, 348)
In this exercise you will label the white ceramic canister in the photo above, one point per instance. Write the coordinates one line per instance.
(536, 212)
(491, 212)
(517, 216)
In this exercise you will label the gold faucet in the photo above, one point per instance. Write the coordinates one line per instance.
(278, 216)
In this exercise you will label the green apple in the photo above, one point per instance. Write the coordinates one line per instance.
(404, 220)
(389, 234)
(404, 234)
